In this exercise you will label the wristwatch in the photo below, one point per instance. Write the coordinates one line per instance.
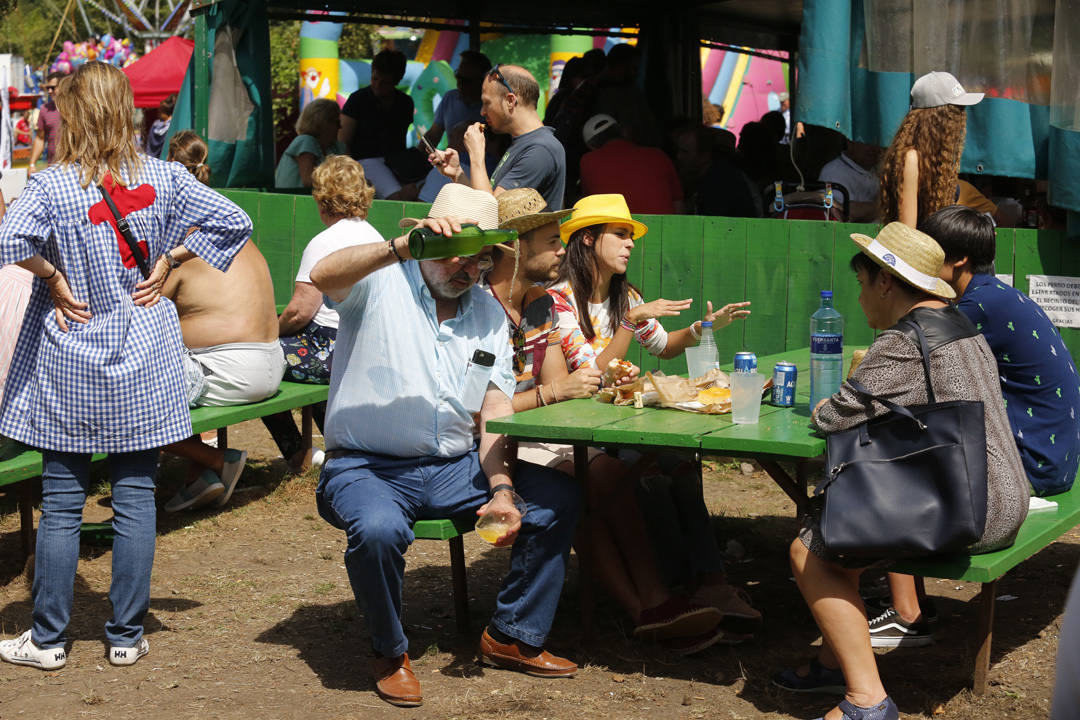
(173, 262)
(501, 486)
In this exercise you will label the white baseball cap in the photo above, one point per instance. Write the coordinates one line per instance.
(937, 88)
(595, 125)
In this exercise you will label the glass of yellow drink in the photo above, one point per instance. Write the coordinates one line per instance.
(493, 524)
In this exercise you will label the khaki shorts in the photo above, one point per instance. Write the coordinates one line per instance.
(551, 455)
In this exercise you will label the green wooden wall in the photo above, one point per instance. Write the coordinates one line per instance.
(780, 266)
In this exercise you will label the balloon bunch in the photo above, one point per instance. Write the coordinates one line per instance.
(106, 49)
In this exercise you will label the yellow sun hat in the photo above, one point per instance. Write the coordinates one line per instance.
(597, 210)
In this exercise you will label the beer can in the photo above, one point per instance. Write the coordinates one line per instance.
(745, 362)
(784, 377)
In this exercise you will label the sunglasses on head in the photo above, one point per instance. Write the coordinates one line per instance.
(517, 339)
(497, 74)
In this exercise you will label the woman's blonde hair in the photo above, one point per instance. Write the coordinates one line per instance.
(316, 115)
(340, 188)
(937, 134)
(188, 149)
(97, 132)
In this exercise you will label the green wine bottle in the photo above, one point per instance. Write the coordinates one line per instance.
(428, 244)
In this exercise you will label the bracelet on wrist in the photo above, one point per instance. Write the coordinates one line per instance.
(501, 486)
(394, 250)
(554, 395)
(51, 275)
(695, 331)
(627, 325)
(540, 395)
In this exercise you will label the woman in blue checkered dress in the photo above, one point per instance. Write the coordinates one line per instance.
(97, 366)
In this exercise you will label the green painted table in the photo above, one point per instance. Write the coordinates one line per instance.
(779, 434)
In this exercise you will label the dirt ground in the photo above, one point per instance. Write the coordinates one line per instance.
(252, 616)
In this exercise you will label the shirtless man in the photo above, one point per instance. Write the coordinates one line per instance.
(230, 328)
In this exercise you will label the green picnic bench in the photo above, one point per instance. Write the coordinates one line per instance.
(16, 471)
(1041, 528)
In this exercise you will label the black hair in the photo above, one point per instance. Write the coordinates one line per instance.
(167, 106)
(391, 63)
(55, 75)
(774, 121)
(862, 261)
(579, 267)
(477, 59)
(963, 232)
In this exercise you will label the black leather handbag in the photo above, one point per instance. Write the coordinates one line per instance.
(909, 483)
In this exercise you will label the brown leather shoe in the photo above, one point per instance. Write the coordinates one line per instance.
(395, 682)
(512, 656)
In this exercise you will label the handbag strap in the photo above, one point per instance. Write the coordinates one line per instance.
(890, 405)
(125, 231)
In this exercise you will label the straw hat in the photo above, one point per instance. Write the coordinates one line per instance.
(597, 210)
(911, 255)
(461, 201)
(521, 209)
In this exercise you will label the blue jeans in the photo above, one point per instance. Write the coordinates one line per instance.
(64, 483)
(375, 499)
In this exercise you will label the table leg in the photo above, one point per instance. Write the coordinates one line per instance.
(584, 545)
(306, 425)
(984, 635)
(794, 487)
(223, 438)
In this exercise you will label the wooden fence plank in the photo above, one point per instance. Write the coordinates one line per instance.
(846, 288)
(276, 242)
(645, 272)
(680, 275)
(723, 276)
(810, 270)
(766, 285)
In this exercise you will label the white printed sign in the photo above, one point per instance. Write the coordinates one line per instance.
(1007, 279)
(1058, 296)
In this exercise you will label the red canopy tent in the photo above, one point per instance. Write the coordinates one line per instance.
(160, 72)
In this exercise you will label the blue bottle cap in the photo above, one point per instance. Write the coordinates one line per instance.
(706, 324)
(826, 293)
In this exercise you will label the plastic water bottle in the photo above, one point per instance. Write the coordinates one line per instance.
(826, 350)
(707, 346)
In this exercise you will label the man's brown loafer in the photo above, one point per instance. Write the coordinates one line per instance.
(395, 682)
(511, 656)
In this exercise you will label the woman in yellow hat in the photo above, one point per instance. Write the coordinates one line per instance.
(600, 313)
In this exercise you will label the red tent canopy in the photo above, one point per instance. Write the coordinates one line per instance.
(160, 72)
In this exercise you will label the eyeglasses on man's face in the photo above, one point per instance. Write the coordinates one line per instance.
(50, 88)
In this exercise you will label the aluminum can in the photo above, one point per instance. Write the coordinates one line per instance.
(784, 377)
(745, 362)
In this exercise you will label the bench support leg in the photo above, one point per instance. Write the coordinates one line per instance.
(222, 438)
(460, 583)
(306, 423)
(26, 517)
(584, 546)
(984, 634)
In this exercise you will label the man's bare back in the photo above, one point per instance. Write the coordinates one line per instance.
(216, 308)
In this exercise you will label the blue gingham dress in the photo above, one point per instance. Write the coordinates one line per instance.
(116, 383)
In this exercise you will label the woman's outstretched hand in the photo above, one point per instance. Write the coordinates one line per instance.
(724, 316)
(657, 308)
(67, 307)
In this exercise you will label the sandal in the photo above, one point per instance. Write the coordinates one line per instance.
(884, 710)
(820, 679)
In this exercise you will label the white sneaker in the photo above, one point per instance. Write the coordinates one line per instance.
(318, 457)
(23, 651)
(128, 655)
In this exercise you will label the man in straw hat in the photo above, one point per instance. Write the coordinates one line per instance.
(399, 432)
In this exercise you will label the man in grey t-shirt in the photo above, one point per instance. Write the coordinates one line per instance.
(535, 158)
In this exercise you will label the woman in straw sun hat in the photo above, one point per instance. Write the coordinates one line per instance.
(898, 278)
(919, 169)
(600, 314)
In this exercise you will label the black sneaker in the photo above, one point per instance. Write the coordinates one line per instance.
(889, 630)
(927, 606)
